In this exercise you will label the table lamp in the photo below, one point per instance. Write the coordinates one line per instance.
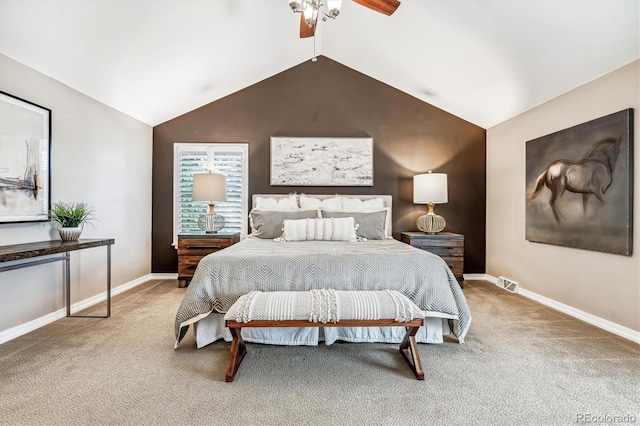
(430, 188)
(210, 187)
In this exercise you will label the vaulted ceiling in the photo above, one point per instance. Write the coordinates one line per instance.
(482, 60)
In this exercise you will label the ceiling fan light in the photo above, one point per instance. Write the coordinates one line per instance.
(333, 8)
(296, 5)
(310, 14)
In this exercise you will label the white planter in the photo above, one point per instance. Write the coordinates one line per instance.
(70, 234)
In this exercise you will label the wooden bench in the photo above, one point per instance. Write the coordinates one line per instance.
(324, 308)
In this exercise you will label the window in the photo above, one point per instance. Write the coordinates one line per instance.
(230, 160)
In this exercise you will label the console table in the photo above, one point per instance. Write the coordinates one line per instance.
(29, 253)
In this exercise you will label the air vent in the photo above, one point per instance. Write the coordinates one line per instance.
(507, 284)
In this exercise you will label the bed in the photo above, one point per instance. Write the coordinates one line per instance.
(270, 260)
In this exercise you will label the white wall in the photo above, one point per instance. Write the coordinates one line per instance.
(600, 284)
(99, 156)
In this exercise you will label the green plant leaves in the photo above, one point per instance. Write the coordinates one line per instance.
(71, 215)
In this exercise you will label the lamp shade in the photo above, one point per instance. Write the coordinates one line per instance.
(430, 188)
(209, 187)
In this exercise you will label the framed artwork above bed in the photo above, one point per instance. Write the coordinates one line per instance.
(321, 161)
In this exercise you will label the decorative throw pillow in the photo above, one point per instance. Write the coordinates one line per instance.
(351, 204)
(371, 225)
(334, 203)
(333, 229)
(272, 203)
(268, 223)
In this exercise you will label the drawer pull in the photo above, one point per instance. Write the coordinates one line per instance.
(203, 247)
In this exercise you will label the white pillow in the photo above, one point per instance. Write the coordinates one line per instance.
(272, 203)
(331, 229)
(369, 225)
(308, 203)
(387, 222)
(357, 205)
(268, 223)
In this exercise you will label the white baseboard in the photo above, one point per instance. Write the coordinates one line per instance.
(25, 328)
(602, 323)
(477, 277)
(22, 329)
(164, 276)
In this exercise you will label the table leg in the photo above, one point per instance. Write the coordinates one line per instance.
(108, 280)
(409, 351)
(67, 280)
(68, 285)
(236, 354)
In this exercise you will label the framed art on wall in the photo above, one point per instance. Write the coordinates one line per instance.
(321, 161)
(580, 186)
(25, 152)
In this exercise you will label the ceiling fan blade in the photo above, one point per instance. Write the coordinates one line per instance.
(305, 30)
(386, 7)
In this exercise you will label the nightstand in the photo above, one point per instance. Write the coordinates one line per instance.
(193, 247)
(447, 245)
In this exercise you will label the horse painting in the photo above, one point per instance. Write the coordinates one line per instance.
(579, 185)
(592, 175)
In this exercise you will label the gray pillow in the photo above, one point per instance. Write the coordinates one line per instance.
(268, 223)
(371, 225)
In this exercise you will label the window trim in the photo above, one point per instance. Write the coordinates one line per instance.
(210, 147)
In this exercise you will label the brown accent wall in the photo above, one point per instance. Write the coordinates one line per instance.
(325, 98)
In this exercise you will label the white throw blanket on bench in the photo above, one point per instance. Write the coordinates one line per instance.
(323, 306)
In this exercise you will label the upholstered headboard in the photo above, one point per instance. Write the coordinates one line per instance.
(387, 199)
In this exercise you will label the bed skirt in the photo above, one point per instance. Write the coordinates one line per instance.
(211, 329)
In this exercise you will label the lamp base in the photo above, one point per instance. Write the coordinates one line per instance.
(431, 223)
(211, 223)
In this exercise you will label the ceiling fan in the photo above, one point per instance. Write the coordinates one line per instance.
(310, 9)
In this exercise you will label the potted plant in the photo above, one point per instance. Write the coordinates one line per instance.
(71, 218)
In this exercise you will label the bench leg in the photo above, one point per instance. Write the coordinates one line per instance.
(409, 351)
(236, 354)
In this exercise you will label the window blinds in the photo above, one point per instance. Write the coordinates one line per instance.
(199, 159)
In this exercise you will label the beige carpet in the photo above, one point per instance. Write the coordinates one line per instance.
(523, 364)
